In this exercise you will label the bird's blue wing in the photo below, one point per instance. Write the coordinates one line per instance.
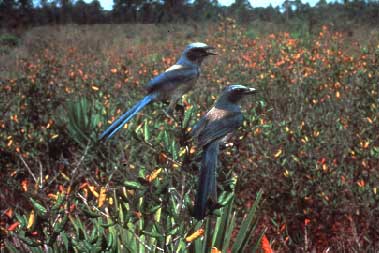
(198, 127)
(172, 77)
(219, 128)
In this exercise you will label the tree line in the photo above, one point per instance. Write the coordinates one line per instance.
(16, 13)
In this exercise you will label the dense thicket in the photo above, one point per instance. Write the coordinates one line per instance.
(19, 13)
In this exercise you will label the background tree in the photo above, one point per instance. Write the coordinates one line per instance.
(175, 10)
(204, 10)
(66, 11)
(8, 13)
(149, 10)
(17, 13)
(126, 10)
(95, 13)
(242, 10)
(25, 13)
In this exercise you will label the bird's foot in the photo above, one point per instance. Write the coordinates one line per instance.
(179, 108)
(230, 144)
(226, 145)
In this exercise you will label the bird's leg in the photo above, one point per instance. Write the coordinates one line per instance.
(172, 105)
(175, 106)
(180, 109)
(170, 109)
(168, 114)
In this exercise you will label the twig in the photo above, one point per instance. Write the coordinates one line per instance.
(144, 244)
(78, 165)
(355, 233)
(40, 173)
(81, 159)
(86, 203)
(305, 238)
(28, 168)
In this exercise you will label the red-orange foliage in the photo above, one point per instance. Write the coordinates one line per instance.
(265, 245)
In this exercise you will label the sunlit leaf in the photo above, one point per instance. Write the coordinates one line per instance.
(102, 196)
(31, 220)
(13, 226)
(153, 175)
(195, 235)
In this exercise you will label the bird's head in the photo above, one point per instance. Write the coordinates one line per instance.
(235, 92)
(197, 51)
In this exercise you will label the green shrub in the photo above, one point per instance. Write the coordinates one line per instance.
(9, 40)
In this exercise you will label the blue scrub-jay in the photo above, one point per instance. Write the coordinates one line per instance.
(169, 85)
(211, 131)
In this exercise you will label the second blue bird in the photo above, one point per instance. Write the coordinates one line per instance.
(213, 130)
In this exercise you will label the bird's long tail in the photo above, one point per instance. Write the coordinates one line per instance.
(207, 191)
(123, 119)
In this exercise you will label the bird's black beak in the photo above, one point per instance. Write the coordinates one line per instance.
(210, 51)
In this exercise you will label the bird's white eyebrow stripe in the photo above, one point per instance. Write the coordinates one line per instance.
(237, 86)
(197, 45)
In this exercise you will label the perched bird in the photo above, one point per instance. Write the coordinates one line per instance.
(211, 131)
(169, 85)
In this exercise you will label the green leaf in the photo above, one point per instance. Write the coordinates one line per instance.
(374, 152)
(27, 240)
(10, 247)
(36, 250)
(110, 241)
(146, 131)
(154, 234)
(243, 234)
(258, 242)
(58, 227)
(225, 198)
(182, 247)
(142, 173)
(222, 226)
(107, 225)
(65, 240)
(40, 209)
(121, 214)
(22, 219)
(90, 213)
(154, 209)
(58, 203)
(229, 231)
(132, 184)
(187, 117)
(165, 139)
(174, 150)
(199, 244)
(81, 120)
(173, 231)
